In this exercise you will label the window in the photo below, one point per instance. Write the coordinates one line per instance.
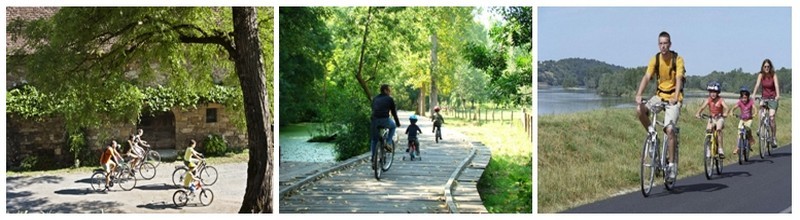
(211, 115)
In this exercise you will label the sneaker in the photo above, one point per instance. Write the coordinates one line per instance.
(721, 155)
(774, 143)
(671, 170)
(651, 130)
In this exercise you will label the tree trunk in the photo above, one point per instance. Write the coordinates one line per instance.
(421, 102)
(434, 60)
(250, 70)
(361, 58)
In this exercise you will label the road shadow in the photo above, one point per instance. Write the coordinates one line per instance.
(159, 206)
(84, 180)
(732, 174)
(84, 191)
(14, 195)
(702, 187)
(781, 155)
(157, 187)
(754, 161)
(27, 204)
(24, 181)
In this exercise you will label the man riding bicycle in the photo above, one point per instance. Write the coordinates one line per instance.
(669, 71)
(110, 159)
(382, 106)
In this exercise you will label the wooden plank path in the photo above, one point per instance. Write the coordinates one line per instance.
(408, 187)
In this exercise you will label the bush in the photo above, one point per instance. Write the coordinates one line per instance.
(29, 163)
(215, 145)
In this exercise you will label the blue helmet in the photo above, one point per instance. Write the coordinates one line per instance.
(714, 86)
(413, 118)
(744, 91)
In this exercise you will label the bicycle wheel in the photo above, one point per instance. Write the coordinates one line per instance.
(178, 175)
(147, 170)
(155, 157)
(718, 162)
(761, 140)
(98, 181)
(388, 158)
(708, 159)
(768, 141)
(208, 175)
(438, 135)
(126, 180)
(180, 198)
(742, 150)
(648, 166)
(206, 197)
(378, 163)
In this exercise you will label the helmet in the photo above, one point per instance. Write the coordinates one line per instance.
(714, 86)
(412, 118)
(436, 108)
(744, 91)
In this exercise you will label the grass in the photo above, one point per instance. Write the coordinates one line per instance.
(230, 157)
(584, 157)
(506, 185)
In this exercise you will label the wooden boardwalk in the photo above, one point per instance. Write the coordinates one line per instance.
(408, 187)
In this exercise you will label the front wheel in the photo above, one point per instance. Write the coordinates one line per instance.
(178, 175)
(708, 159)
(208, 175)
(376, 161)
(648, 166)
(206, 197)
(742, 150)
(126, 180)
(388, 158)
(180, 198)
(762, 143)
(147, 170)
(155, 157)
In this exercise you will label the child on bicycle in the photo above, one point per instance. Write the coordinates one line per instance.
(412, 132)
(110, 159)
(438, 120)
(717, 108)
(190, 159)
(745, 106)
(136, 153)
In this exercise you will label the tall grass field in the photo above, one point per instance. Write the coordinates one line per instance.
(589, 156)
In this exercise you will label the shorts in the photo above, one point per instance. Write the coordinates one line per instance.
(107, 166)
(671, 113)
(771, 104)
(719, 122)
(192, 163)
(746, 124)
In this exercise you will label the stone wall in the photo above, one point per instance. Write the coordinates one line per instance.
(191, 124)
(45, 138)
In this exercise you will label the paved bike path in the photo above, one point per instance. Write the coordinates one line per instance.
(408, 187)
(72, 193)
(760, 186)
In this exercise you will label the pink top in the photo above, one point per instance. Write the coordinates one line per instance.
(768, 86)
(747, 109)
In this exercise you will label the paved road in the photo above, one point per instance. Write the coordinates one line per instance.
(762, 186)
(408, 187)
(72, 193)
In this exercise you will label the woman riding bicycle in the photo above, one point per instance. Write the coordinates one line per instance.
(771, 93)
(718, 109)
(382, 106)
(745, 106)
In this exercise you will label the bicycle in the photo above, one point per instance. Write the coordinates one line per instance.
(654, 159)
(764, 131)
(152, 155)
(743, 144)
(207, 174)
(412, 151)
(385, 157)
(438, 132)
(711, 159)
(122, 175)
(182, 197)
(146, 169)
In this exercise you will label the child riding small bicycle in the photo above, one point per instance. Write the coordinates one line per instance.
(190, 159)
(413, 130)
(437, 119)
(745, 106)
(717, 108)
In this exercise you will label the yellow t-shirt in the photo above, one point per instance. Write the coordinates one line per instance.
(666, 81)
(188, 155)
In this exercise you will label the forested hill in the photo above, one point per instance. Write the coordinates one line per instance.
(574, 72)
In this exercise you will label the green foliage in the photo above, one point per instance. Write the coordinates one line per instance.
(583, 71)
(215, 145)
(29, 163)
(28, 102)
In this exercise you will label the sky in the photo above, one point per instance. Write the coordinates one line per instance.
(709, 38)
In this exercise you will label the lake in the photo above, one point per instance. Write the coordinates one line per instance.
(557, 100)
(294, 146)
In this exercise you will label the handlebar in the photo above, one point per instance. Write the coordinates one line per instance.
(706, 116)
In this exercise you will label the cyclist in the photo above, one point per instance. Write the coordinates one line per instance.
(382, 106)
(437, 119)
(412, 131)
(716, 105)
(109, 160)
(745, 106)
(669, 70)
(137, 138)
(768, 82)
(190, 159)
(135, 152)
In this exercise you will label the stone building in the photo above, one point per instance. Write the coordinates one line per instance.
(47, 141)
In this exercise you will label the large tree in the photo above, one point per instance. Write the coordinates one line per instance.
(98, 60)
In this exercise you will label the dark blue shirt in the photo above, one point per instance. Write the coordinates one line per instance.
(412, 131)
(382, 105)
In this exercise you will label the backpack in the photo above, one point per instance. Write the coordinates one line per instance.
(672, 71)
